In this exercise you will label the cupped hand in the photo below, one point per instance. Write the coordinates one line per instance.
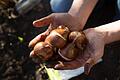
(54, 20)
(92, 53)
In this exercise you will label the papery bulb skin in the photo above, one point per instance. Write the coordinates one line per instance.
(69, 52)
(73, 35)
(79, 39)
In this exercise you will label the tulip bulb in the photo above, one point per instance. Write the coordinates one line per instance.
(58, 37)
(43, 50)
(69, 52)
(79, 39)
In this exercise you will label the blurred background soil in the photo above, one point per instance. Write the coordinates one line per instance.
(15, 34)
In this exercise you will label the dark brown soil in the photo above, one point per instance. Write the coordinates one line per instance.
(15, 63)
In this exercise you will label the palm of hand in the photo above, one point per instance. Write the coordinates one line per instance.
(94, 51)
(95, 47)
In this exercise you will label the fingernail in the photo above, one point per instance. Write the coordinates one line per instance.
(30, 44)
(56, 66)
(36, 23)
(31, 54)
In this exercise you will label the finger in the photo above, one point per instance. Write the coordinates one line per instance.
(89, 64)
(87, 68)
(32, 54)
(78, 62)
(43, 21)
(98, 53)
(66, 66)
(40, 37)
(69, 65)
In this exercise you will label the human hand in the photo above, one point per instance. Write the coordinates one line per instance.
(54, 20)
(93, 52)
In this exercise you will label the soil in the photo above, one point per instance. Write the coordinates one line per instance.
(15, 34)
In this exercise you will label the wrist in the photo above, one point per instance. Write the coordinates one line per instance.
(110, 31)
(81, 10)
(77, 22)
(103, 34)
(95, 33)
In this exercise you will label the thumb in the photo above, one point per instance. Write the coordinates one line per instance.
(37, 39)
(43, 21)
(40, 37)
